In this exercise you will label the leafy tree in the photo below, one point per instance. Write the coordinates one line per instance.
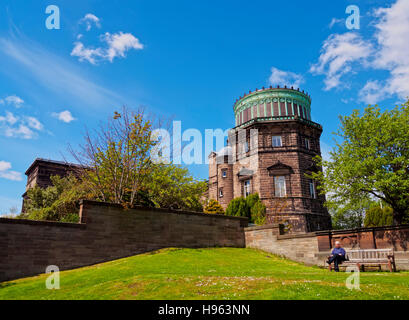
(258, 213)
(371, 161)
(238, 207)
(58, 202)
(116, 158)
(172, 186)
(349, 215)
(117, 163)
(252, 199)
(250, 207)
(213, 207)
(347, 218)
(379, 217)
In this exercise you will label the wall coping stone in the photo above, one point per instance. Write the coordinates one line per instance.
(325, 232)
(42, 223)
(163, 210)
(263, 227)
(370, 229)
(296, 235)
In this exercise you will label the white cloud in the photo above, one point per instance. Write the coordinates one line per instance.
(21, 131)
(386, 49)
(372, 92)
(280, 77)
(64, 78)
(34, 123)
(86, 54)
(117, 45)
(64, 116)
(392, 38)
(12, 100)
(338, 54)
(5, 165)
(10, 118)
(90, 19)
(25, 127)
(8, 174)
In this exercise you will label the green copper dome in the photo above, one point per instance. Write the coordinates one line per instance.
(272, 104)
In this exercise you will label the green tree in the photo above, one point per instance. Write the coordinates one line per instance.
(116, 157)
(238, 207)
(258, 213)
(251, 200)
(347, 218)
(58, 202)
(371, 161)
(172, 186)
(213, 207)
(379, 217)
(117, 163)
(349, 215)
(251, 207)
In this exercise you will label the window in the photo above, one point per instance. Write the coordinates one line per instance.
(279, 185)
(245, 147)
(224, 173)
(313, 194)
(277, 141)
(221, 193)
(307, 144)
(247, 188)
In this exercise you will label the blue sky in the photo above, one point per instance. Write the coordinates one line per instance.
(188, 60)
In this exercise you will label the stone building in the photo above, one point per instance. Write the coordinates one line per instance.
(270, 151)
(40, 171)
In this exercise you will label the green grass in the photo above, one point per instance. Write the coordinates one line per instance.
(221, 273)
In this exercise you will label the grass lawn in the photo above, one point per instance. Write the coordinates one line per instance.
(217, 273)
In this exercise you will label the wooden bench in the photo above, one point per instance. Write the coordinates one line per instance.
(369, 257)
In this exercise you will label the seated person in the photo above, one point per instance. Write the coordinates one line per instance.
(337, 256)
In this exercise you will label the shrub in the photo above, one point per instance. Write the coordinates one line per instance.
(238, 207)
(252, 199)
(250, 207)
(172, 186)
(213, 207)
(59, 202)
(378, 217)
(258, 213)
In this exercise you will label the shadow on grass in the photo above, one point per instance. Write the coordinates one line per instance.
(6, 284)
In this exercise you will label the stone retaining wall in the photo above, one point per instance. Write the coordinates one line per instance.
(313, 248)
(108, 232)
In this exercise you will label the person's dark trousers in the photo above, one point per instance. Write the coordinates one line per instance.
(337, 260)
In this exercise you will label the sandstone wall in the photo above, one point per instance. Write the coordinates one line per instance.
(298, 247)
(313, 248)
(108, 232)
